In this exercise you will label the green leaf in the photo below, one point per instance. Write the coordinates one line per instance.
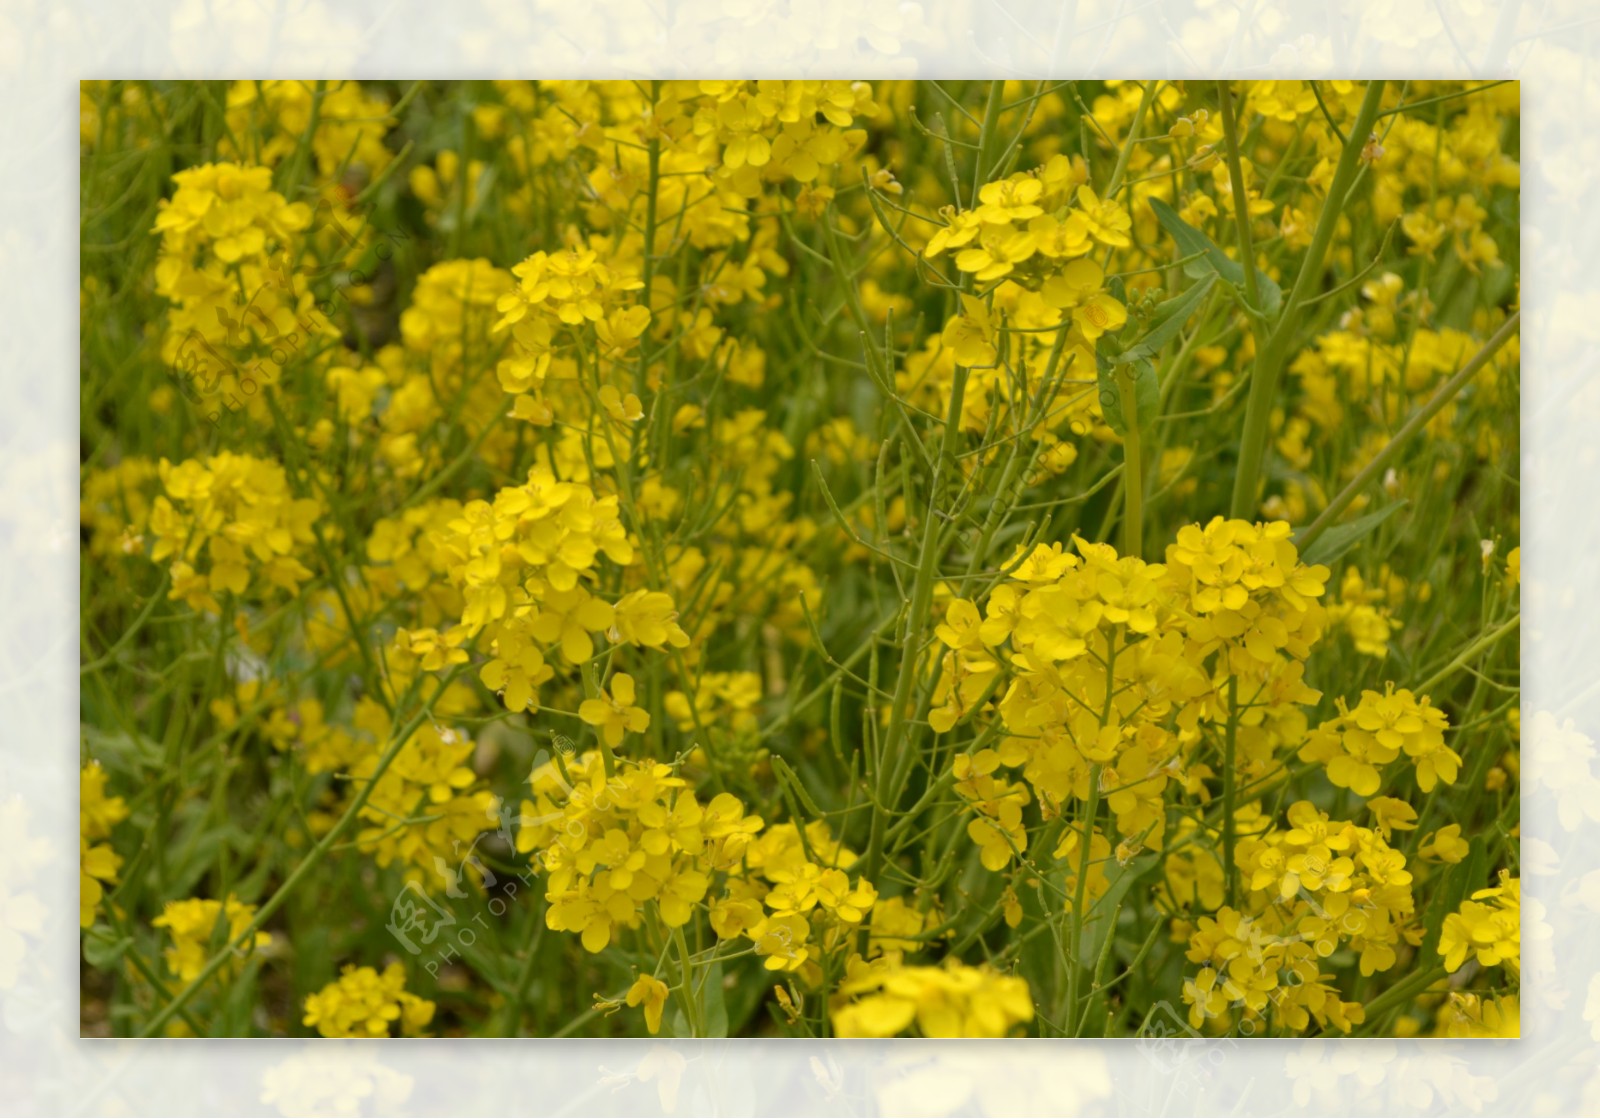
(1460, 882)
(713, 1005)
(197, 855)
(102, 948)
(1097, 923)
(713, 1008)
(131, 754)
(1271, 294)
(1168, 320)
(1209, 258)
(745, 997)
(1341, 538)
(1193, 243)
(1146, 392)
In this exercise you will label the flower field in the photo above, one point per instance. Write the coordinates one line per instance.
(800, 558)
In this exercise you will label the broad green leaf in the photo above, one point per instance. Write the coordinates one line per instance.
(133, 753)
(745, 997)
(1271, 294)
(1097, 925)
(1212, 259)
(1146, 392)
(713, 1005)
(1193, 243)
(1168, 320)
(1460, 882)
(1341, 538)
(713, 1009)
(102, 948)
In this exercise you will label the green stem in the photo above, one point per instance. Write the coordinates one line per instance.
(313, 857)
(138, 624)
(301, 160)
(986, 137)
(916, 620)
(1270, 360)
(1086, 847)
(1133, 467)
(1419, 419)
(1479, 646)
(1230, 743)
(512, 1015)
(1241, 203)
(591, 690)
(1147, 95)
(464, 185)
(652, 193)
(1075, 967)
(691, 1007)
(1099, 971)
(1017, 465)
(148, 971)
(1403, 992)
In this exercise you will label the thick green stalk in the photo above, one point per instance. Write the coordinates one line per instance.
(301, 160)
(1403, 992)
(651, 197)
(986, 138)
(1146, 95)
(1270, 361)
(691, 1005)
(1419, 419)
(110, 654)
(920, 606)
(1086, 840)
(1075, 966)
(1099, 970)
(1241, 203)
(1133, 467)
(1468, 655)
(1229, 781)
(463, 185)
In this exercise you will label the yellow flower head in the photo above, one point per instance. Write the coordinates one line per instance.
(365, 1003)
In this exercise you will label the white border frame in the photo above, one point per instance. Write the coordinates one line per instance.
(46, 47)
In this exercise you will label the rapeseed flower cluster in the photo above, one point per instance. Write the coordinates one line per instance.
(200, 926)
(428, 806)
(1114, 663)
(227, 271)
(230, 523)
(98, 862)
(364, 1003)
(1487, 928)
(610, 844)
(351, 124)
(1379, 730)
(882, 1001)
